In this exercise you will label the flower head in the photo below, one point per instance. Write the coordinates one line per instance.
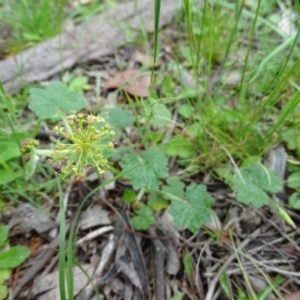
(87, 140)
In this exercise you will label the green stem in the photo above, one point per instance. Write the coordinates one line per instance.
(44, 152)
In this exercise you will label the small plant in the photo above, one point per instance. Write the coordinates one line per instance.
(86, 137)
(32, 21)
(87, 142)
(262, 295)
(10, 258)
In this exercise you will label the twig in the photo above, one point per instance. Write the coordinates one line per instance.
(215, 280)
(95, 234)
(159, 260)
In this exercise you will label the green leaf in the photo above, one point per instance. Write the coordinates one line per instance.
(147, 106)
(177, 297)
(292, 138)
(178, 146)
(188, 267)
(174, 188)
(79, 84)
(262, 177)
(185, 110)
(128, 196)
(242, 295)
(156, 202)
(286, 217)
(293, 180)
(161, 115)
(264, 294)
(8, 175)
(225, 285)
(13, 257)
(120, 117)
(152, 167)
(249, 193)
(224, 173)
(3, 292)
(46, 103)
(294, 200)
(195, 130)
(4, 230)
(4, 275)
(195, 210)
(8, 150)
(120, 153)
(144, 218)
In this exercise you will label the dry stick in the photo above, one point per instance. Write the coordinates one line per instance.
(214, 282)
(197, 267)
(278, 228)
(159, 261)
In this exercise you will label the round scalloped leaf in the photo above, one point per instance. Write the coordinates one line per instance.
(294, 200)
(13, 257)
(293, 180)
(3, 292)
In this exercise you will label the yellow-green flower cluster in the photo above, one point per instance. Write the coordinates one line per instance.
(88, 137)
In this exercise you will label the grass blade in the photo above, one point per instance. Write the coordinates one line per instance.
(62, 244)
(156, 27)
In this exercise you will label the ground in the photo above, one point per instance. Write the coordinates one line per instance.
(144, 161)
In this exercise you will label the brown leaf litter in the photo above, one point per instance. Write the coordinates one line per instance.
(131, 81)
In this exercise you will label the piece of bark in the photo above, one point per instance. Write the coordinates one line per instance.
(90, 40)
(136, 256)
(31, 218)
(93, 216)
(49, 284)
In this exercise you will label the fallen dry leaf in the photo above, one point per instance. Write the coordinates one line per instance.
(35, 243)
(292, 296)
(131, 81)
(144, 59)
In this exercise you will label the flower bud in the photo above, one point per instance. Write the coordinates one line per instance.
(61, 146)
(74, 170)
(28, 143)
(90, 119)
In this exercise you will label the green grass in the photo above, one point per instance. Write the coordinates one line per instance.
(33, 21)
(247, 113)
